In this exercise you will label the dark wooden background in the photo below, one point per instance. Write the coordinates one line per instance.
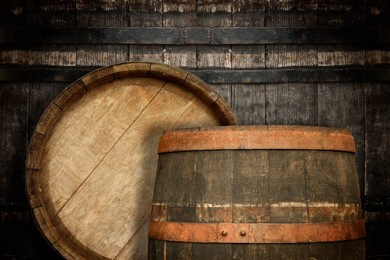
(312, 62)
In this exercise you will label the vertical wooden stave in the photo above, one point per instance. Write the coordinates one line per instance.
(248, 13)
(377, 143)
(349, 112)
(15, 111)
(253, 110)
(214, 13)
(291, 103)
(286, 207)
(376, 13)
(145, 13)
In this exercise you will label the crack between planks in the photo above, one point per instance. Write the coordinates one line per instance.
(89, 175)
(131, 238)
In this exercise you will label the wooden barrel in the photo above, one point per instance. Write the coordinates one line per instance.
(92, 158)
(257, 192)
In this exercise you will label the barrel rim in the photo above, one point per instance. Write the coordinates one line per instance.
(254, 137)
(69, 246)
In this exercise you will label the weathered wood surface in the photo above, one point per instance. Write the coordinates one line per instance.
(195, 35)
(343, 105)
(331, 46)
(92, 158)
(253, 185)
(221, 76)
(14, 111)
(254, 95)
(377, 141)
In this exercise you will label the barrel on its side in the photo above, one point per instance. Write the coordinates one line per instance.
(257, 192)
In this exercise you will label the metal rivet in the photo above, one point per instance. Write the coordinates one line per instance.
(224, 233)
(242, 233)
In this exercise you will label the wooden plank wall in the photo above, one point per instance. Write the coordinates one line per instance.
(313, 62)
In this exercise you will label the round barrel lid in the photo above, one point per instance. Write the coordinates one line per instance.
(92, 159)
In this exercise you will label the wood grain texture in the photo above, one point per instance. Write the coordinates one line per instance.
(102, 13)
(157, 250)
(347, 13)
(209, 187)
(53, 55)
(214, 57)
(329, 55)
(248, 57)
(195, 35)
(380, 55)
(40, 96)
(291, 104)
(107, 186)
(291, 55)
(214, 13)
(258, 137)
(248, 13)
(185, 180)
(101, 55)
(288, 184)
(332, 251)
(185, 252)
(222, 76)
(252, 251)
(251, 186)
(145, 13)
(93, 192)
(291, 13)
(12, 56)
(180, 56)
(248, 102)
(47, 13)
(225, 91)
(100, 117)
(180, 14)
(321, 187)
(39, 54)
(377, 141)
(146, 53)
(14, 129)
(295, 251)
(348, 112)
(211, 251)
(243, 56)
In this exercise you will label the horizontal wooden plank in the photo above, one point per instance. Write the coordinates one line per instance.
(44, 74)
(194, 35)
(325, 74)
(134, 35)
(211, 76)
(256, 35)
(256, 56)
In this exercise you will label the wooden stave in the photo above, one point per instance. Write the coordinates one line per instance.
(165, 212)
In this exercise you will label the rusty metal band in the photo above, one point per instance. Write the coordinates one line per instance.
(257, 232)
(257, 137)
